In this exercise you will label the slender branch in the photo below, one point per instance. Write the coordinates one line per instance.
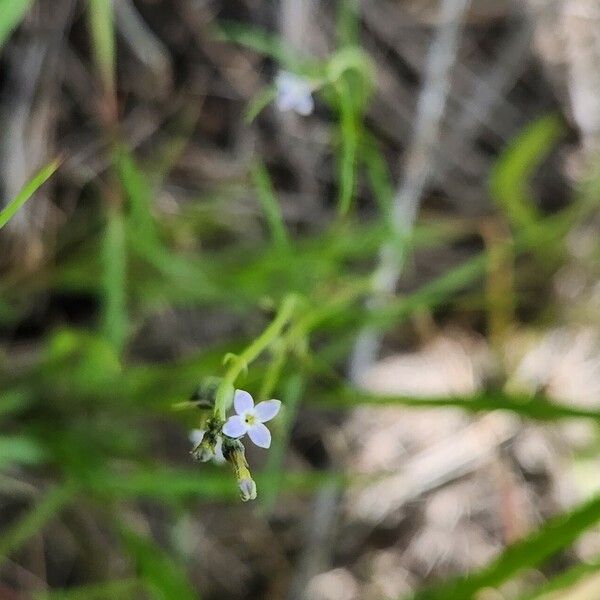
(430, 109)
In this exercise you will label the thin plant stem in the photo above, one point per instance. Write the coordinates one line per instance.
(241, 362)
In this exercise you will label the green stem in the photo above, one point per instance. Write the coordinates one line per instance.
(273, 371)
(349, 59)
(240, 363)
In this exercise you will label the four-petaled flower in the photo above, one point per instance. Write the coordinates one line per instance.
(250, 419)
(293, 93)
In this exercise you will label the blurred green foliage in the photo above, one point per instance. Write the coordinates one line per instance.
(12, 12)
(79, 416)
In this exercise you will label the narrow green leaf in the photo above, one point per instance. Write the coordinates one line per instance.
(567, 579)
(259, 41)
(509, 180)
(556, 534)
(260, 101)
(270, 205)
(163, 578)
(539, 409)
(114, 263)
(377, 173)
(54, 500)
(28, 189)
(349, 144)
(433, 293)
(166, 484)
(347, 23)
(101, 24)
(134, 183)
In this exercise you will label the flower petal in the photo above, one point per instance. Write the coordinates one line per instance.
(196, 436)
(260, 435)
(305, 105)
(219, 458)
(235, 427)
(285, 81)
(242, 401)
(266, 410)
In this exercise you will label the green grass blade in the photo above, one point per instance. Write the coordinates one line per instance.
(347, 23)
(259, 41)
(270, 206)
(433, 293)
(538, 409)
(28, 190)
(565, 580)
(162, 577)
(348, 145)
(556, 534)
(172, 485)
(139, 197)
(33, 521)
(12, 12)
(260, 101)
(101, 24)
(509, 179)
(377, 174)
(114, 263)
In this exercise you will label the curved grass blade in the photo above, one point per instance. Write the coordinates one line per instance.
(260, 101)
(34, 520)
(509, 180)
(556, 534)
(161, 576)
(564, 581)
(270, 206)
(27, 190)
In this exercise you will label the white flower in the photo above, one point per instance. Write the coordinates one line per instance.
(293, 93)
(205, 454)
(250, 418)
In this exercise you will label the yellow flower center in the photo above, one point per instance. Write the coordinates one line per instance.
(249, 419)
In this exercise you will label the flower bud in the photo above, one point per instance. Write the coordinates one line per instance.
(207, 442)
(204, 451)
(247, 489)
(234, 453)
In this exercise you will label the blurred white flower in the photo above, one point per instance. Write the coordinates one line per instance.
(293, 93)
(250, 419)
